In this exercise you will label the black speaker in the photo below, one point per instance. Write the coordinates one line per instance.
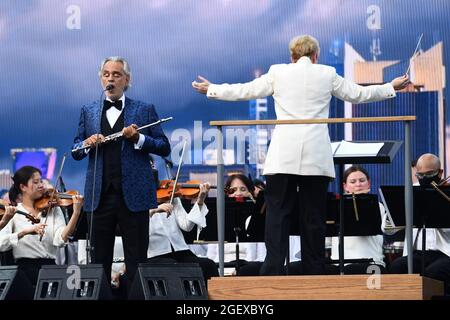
(14, 285)
(73, 282)
(169, 281)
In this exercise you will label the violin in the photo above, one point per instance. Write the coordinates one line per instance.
(186, 190)
(30, 217)
(50, 198)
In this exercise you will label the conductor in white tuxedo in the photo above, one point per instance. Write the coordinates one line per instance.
(299, 155)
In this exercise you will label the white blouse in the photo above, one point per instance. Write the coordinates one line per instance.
(30, 246)
(364, 247)
(436, 239)
(166, 231)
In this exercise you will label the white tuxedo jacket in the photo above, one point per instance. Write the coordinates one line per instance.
(301, 90)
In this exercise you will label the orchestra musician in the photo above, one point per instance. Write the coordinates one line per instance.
(356, 180)
(437, 254)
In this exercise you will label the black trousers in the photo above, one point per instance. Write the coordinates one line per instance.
(283, 201)
(133, 227)
(31, 267)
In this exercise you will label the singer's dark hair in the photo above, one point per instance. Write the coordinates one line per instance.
(22, 176)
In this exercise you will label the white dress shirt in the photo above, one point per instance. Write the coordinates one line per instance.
(112, 114)
(29, 246)
(436, 239)
(165, 232)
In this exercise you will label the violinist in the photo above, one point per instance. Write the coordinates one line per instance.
(35, 245)
(239, 186)
(437, 254)
(166, 242)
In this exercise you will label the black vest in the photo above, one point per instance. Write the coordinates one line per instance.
(112, 163)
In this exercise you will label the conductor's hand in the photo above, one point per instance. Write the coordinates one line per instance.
(201, 86)
(131, 133)
(400, 82)
(94, 139)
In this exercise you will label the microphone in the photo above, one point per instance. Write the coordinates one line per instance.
(89, 248)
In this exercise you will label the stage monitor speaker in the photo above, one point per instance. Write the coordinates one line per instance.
(169, 281)
(14, 285)
(73, 282)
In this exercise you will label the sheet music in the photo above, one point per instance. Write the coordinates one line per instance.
(390, 227)
(346, 149)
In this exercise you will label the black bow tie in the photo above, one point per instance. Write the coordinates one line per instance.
(117, 104)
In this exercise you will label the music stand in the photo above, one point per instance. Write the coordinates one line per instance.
(256, 227)
(430, 209)
(385, 155)
(366, 221)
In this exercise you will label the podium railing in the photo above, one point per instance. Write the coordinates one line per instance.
(221, 169)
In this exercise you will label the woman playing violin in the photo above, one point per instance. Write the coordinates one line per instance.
(34, 245)
(166, 240)
(239, 186)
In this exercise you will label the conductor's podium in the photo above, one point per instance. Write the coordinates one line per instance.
(341, 287)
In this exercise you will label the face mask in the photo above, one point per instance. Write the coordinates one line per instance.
(426, 181)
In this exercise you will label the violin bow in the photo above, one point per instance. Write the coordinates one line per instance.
(54, 191)
(178, 172)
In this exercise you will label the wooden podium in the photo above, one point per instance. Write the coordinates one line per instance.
(341, 287)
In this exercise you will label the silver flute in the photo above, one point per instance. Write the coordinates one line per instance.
(117, 135)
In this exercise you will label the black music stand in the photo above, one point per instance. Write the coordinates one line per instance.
(430, 209)
(237, 210)
(361, 215)
(385, 155)
(365, 221)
